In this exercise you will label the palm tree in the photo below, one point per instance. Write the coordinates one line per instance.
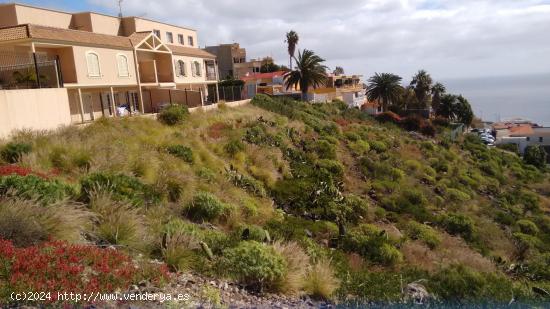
(385, 88)
(292, 40)
(448, 106)
(338, 71)
(422, 84)
(438, 90)
(309, 72)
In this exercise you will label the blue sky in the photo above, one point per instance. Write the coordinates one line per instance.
(449, 38)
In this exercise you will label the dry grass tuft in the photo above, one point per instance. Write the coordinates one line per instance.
(321, 281)
(119, 223)
(297, 263)
(28, 222)
(177, 251)
(452, 250)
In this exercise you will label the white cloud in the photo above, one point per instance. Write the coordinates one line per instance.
(448, 38)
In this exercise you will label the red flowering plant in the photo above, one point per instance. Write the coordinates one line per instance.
(6, 170)
(58, 266)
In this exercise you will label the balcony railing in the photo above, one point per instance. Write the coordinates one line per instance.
(23, 71)
(211, 76)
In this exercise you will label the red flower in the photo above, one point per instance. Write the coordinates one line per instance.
(59, 266)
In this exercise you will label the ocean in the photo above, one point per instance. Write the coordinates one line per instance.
(501, 98)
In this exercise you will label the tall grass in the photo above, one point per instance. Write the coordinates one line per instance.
(28, 222)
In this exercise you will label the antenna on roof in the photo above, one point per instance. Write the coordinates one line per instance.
(120, 8)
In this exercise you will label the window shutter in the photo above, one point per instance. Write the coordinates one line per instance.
(183, 68)
(193, 70)
(93, 64)
(123, 66)
(176, 68)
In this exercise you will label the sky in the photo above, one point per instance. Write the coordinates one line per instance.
(448, 38)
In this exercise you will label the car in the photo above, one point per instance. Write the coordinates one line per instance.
(485, 135)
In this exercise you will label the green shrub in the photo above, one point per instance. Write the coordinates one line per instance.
(458, 283)
(372, 243)
(457, 195)
(205, 207)
(294, 228)
(535, 155)
(352, 136)
(526, 244)
(527, 227)
(459, 224)
(173, 115)
(378, 146)
(410, 201)
(182, 152)
(34, 187)
(247, 183)
(360, 147)
(539, 267)
(324, 149)
(12, 152)
(389, 255)
(380, 169)
(413, 165)
(258, 135)
(254, 264)
(334, 167)
(206, 174)
(121, 187)
(356, 208)
(216, 240)
(424, 233)
(233, 147)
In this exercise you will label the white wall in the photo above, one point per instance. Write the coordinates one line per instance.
(36, 109)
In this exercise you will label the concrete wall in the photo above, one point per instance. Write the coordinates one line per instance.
(36, 109)
(8, 17)
(43, 17)
(105, 24)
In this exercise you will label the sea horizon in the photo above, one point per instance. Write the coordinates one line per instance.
(505, 97)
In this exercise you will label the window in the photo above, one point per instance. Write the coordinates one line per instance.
(197, 71)
(190, 39)
(528, 138)
(92, 60)
(157, 33)
(181, 40)
(169, 37)
(541, 139)
(180, 68)
(122, 63)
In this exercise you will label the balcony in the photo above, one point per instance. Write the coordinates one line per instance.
(211, 71)
(155, 68)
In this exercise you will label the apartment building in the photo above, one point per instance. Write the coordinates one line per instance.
(109, 66)
(228, 56)
(232, 61)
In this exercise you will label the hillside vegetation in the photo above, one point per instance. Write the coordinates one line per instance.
(282, 196)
